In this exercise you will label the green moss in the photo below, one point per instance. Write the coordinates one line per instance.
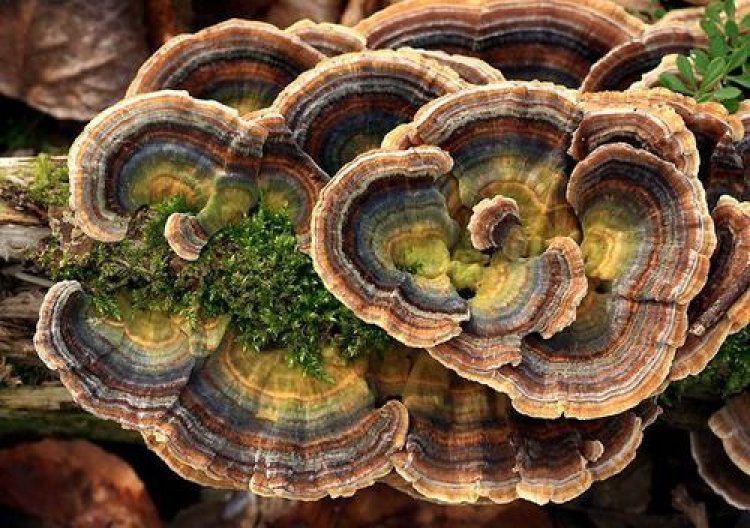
(727, 374)
(50, 185)
(251, 271)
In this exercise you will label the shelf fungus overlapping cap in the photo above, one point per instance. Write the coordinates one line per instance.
(215, 412)
(346, 105)
(556, 307)
(723, 306)
(150, 147)
(717, 133)
(624, 65)
(243, 64)
(723, 452)
(227, 418)
(466, 444)
(547, 40)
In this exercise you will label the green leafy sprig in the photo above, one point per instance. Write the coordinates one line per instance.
(721, 72)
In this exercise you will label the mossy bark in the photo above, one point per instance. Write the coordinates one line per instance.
(32, 402)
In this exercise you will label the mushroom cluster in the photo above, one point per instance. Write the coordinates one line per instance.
(544, 255)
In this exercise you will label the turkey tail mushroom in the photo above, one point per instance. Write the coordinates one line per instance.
(217, 412)
(551, 40)
(243, 64)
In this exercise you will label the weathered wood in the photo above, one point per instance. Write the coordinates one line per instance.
(50, 411)
(22, 171)
(23, 228)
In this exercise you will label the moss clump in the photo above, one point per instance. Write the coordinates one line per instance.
(252, 272)
(50, 185)
(727, 374)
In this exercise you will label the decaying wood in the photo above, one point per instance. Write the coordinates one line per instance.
(23, 227)
(50, 411)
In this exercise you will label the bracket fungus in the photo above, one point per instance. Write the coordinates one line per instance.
(347, 104)
(716, 133)
(466, 444)
(217, 412)
(150, 147)
(329, 39)
(626, 63)
(243, 64)
(723, 306)
(552, 40)
(386, 244)
(723, 453)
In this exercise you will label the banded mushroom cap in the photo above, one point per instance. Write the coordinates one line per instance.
(465, 444)
(288, 179)
(471, 69)
(555, 40)
(731, 424)
(347, 104)
(151, 147)
(329, 39)
(239, 63)
(624, 65)
(498, 318)
(716, 132)
(743, 146)
(723, 453)
(723, 306)
(216, 412)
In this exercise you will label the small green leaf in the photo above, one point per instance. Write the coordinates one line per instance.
(742, 80)
(717, 47)
(710, 28)
(714, 71)
(686, 70)
(727, 92)
(671, 81)
(700, 59)
(733, 30)
(730, 9)
(731, 105)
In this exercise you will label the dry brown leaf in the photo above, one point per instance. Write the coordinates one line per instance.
(74, 484)
(70, 58)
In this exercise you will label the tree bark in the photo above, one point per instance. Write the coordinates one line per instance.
(32, 402)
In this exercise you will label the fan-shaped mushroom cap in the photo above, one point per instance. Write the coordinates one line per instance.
(659, 130)
(555, 40)
(495, 224)
(615, 354)
(626, 63)
(365, 237)
(240, 63)
(347, 104)
(510, 139)
(220, 413)
(723, 306)
(471, 69)
(329, 39)
(743, 147)
(716, 134)
(647, 238)
(723, 454)
(731, 424)
(466, 444)
(288, 178)
(150, 147)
